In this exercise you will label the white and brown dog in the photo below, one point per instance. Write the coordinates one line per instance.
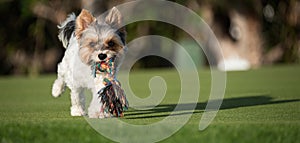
(87, 40)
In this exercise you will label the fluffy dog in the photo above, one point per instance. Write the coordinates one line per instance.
(88, 40)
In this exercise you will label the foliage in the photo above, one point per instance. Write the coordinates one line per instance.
(28, 35)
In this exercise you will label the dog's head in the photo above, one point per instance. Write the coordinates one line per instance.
(100, 38)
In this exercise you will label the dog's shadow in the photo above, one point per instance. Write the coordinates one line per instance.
(164, 110)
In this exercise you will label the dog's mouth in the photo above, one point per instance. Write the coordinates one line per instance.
(106, 65)
(103, 64)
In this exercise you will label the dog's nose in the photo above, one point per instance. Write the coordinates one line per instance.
(102, 56)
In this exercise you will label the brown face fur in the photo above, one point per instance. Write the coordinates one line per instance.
(100, 36)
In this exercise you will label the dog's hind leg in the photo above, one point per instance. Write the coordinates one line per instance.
(95, 110)
(82, 99)
(77, 101)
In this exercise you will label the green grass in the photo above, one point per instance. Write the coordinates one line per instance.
(260, 106)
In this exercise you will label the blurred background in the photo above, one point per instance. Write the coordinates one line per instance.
(252, 33)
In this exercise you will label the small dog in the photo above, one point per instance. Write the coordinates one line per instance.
(88, 40)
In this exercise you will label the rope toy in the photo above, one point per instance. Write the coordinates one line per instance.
(113, 97)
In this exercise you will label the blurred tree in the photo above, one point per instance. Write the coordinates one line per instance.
(28, 32)
(281, 30)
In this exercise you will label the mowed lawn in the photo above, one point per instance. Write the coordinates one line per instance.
(261, 105)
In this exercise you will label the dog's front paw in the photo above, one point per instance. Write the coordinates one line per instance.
(96, 115)
(77, 111)
(58, 87)
(99, 114)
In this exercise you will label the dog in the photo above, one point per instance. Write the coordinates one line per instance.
(88, 40)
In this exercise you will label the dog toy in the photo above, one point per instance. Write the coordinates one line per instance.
(112, 95)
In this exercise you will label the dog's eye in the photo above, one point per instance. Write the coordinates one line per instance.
(92, 44)
(111, 43)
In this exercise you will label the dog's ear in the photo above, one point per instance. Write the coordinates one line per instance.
(114, 18)
(84, 19)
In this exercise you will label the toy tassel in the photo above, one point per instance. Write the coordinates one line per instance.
(112, 95)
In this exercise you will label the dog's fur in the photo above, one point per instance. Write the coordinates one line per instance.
(85, 38)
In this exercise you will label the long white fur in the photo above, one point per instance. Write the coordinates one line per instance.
(76, 75)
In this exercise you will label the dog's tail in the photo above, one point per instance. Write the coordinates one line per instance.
(66, 29)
